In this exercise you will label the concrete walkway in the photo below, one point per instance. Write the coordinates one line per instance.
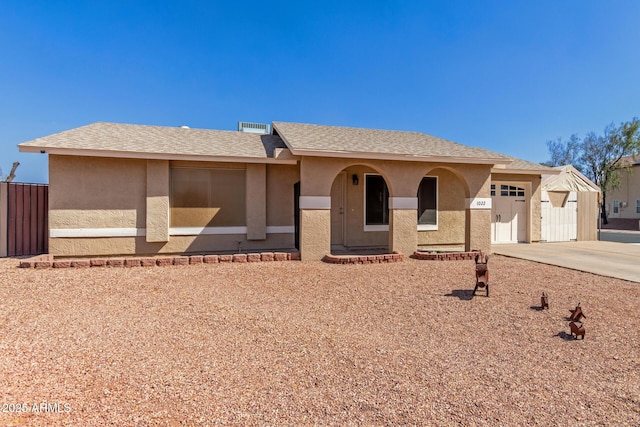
(609, 259)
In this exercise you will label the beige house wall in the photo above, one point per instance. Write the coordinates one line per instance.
(126, 201)
(157, 218)
(534, 226)
(629, 192)
(458, 184)
(97, 192)
(280, 182)
(133, 197)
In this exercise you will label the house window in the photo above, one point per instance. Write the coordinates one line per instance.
(428, 204)
(207, 197)
(637, 206)
(616, 206)
(493, 190)
(510, 191)
(376, 203)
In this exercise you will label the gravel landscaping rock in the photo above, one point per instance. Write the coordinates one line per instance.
(305, 343)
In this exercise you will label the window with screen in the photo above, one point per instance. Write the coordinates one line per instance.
(207, 197)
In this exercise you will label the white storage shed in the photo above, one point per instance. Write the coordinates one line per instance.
(569, 206)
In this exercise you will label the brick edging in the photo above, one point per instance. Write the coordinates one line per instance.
(446, 256)
(363, 259)
(49, 262)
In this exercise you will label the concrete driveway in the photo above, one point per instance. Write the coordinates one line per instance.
(611, 259)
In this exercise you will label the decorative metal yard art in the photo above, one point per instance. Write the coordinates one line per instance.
(544, 301)
(482, 273)
(576, 314)
(576, 326)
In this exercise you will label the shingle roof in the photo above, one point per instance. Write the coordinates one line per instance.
(125, 138)
(115, 139)
(308, 139)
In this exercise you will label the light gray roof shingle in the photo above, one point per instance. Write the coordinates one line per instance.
(307, 138)
(115, 137)
(526, 165)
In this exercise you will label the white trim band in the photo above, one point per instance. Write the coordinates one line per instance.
(315, 202)
(281, 229)
(97, 232)
(381, 227)
(197, 231)
(410, 203)
(479, 203)
(173, 231)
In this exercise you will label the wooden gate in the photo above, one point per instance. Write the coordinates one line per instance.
(27, 225)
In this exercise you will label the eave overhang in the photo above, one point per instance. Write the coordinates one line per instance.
(283, 156)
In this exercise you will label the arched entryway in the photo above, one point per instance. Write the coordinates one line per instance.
(359, 210)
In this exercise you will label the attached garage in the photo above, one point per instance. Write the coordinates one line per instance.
(510, 212)
(569, 206)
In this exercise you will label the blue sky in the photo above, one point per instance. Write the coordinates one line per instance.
(502, 75)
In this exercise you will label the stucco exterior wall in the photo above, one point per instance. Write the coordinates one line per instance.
(113, 246)
(315, 234)
(402, 231)
(458, 184)
(157, 218)
(280, 182)
(451, 211)
(629, 192)
(111, 197)
(97, 192)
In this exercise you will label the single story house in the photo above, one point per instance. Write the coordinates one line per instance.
(122, 189)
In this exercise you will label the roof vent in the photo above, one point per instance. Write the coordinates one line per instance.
(254, 127)
(184, 127)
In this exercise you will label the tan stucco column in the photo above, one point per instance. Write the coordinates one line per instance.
(256, 201)
(478, 227)
(157, 221)
(315, 227)
(403, 225)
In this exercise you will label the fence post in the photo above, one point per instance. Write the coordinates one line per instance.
(4, 200)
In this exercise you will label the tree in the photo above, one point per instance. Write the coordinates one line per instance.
(598, 156)
(564, 153)
(11, 175)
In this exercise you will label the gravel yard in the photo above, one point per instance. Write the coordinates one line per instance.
(291, 343)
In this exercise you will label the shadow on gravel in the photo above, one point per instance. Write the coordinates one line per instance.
(565, 336)
(536, 308)
(462, 294)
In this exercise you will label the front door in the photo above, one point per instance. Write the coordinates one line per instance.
(509, 214)
(337, 210)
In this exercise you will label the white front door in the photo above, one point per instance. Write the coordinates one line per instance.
(509, 213)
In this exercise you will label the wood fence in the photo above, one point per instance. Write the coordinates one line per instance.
(24, 225)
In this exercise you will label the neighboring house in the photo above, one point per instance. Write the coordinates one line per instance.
(570, 206)
(131, 189)
(623, 203)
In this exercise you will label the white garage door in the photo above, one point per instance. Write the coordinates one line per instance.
(509, 213)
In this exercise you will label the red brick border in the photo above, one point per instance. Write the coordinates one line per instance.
(446, 256)
(363, 259)
(47, 261)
